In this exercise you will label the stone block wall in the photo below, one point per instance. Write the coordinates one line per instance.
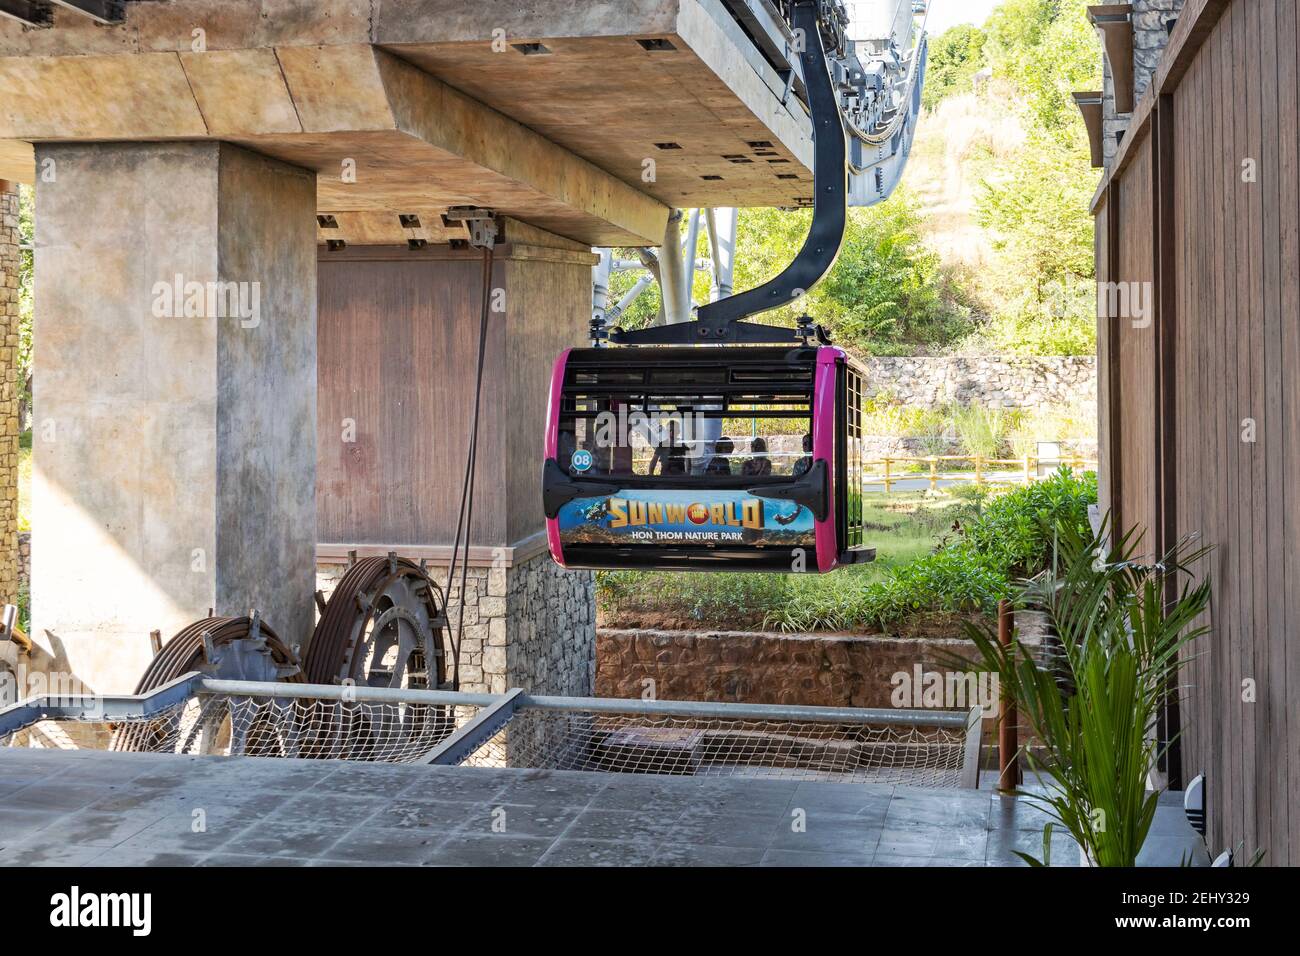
(530, 625)
(991, 381)
(25, 559)
(550, 629)
(758, 668)
(810, 670)
(1150, 37)
(10, 386)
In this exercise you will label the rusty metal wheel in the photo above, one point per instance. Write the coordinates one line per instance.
(222, 648)
(384, 626)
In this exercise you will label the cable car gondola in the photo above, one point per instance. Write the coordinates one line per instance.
(641, 471)
(719, 444)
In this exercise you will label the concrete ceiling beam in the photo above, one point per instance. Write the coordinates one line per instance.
(668, 96)
(412, 141)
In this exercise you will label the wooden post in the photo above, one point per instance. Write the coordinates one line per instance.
(887, 482)
(1028, 472)
(979, 469)
(934, 473)
(1008, 732)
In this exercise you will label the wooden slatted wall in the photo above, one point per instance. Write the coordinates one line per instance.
(1220, 196)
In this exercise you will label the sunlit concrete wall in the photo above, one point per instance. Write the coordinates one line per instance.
(175, 437)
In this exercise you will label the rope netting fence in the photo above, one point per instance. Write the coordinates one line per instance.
(718, 746)
(541, 733)
(218, 725)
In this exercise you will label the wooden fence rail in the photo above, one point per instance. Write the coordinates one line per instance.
(1006, 471)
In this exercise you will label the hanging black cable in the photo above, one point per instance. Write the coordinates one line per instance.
(465, 519)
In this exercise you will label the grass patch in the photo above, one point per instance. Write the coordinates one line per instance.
(901, 526)
(939, 560)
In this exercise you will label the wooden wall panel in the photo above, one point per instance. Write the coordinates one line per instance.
(1135, 335)
(397, 344)
(549, 308)
(1232, 356)
(397, 341)
(1105, 380)
(1284, 665)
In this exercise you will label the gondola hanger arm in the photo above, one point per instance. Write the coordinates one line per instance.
(723, 322)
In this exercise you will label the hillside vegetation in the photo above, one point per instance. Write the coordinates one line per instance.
(987, 244)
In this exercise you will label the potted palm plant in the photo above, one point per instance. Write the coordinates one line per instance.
(1090, 707)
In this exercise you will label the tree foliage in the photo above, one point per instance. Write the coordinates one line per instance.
(956, 55)
(1034, 204)
(890, 292)
(887, 294)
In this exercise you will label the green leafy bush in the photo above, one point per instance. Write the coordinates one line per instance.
(1005, 538)
(956, 55)
(998, 538)
(1013, 530)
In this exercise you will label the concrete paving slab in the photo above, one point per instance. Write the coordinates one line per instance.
(702, 827)
(1004, 843)
(828, 833)
(378, 846)
(277, 839)
(585, 852)
(63, 796)
(803, 858)
(692, 855)
(98, 828)
(492, 849)
(912, 809)
(889, 860)
(404, 813)
(933, 843)
(521, 820)
(371, 815)
(39, 852)
(234, 859)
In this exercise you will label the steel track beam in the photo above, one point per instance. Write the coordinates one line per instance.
(29, 13)
(107, 12)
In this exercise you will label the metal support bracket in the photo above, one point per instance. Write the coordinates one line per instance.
(481, 224)
(476, 733)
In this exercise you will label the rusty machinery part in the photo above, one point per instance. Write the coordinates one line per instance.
(223, 648)
(384, 626)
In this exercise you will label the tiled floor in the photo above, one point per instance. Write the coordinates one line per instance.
(109, 809)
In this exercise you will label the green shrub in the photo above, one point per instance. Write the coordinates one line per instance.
(1005, 538)
(998, 539)
(1013, 529)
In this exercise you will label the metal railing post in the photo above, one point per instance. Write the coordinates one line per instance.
(1008, 732)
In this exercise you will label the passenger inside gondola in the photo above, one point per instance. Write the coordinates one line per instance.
(670, 454)
(758, 466)
(803, 464)
(721, 461)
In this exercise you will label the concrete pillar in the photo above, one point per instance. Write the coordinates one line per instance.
(175, 432)
(10, 386)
